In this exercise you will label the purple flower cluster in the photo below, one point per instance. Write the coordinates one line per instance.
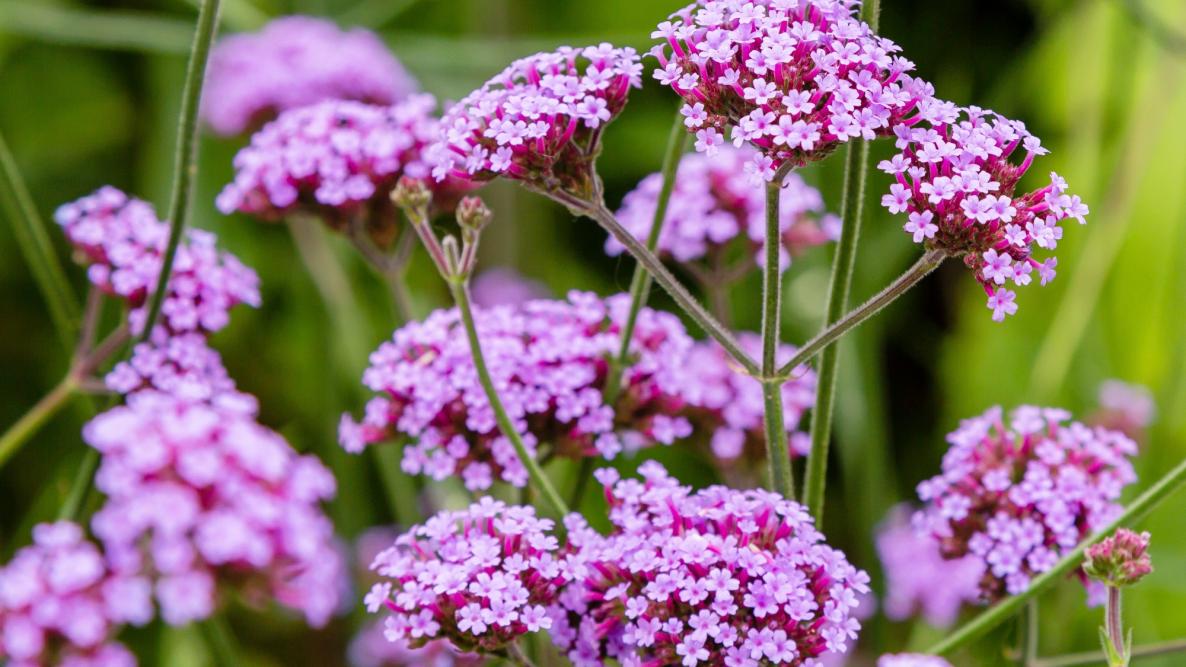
(715, 201)
(912, 660)
(540, 120)
(292, 62)
(549, 360)
(197, 493)
(912, 563)
(1019, 496)
(727, 403)
(480, 577)
(124, 243)
(795, 78)
(958, 186)
(183, 366)
(61, 604)
(505, 287)
(1124, 407)
(711, 577)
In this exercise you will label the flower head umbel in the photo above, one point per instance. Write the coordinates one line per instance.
(183, 366)
(479, 578)
(197, 494)
(1019, 495)
(1119, 560)
(709, 577)
(956, 184)
(919, 580)
(549, 360)
(727, 403)
(61, 604)
(293, 62)
(714, 203)
(123, 242)
(912, 660)
(794, 78)
(540, 120)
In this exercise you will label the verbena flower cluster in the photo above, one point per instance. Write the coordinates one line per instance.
(918, 579)
(539, 120)
(1020, 495)
(712, 577)
(795, 78)
(955, 180)
(549, 360)
(293, 62)
(1119, 560)
(198, 494)
(505, 287)
(715, 201)
(912, 660)
(727, 403)
(123, 242)
(183, 366)
(480, 577)
(1124, 407)
(61, 604)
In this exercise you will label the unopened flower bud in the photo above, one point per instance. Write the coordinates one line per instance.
(411, 194)
(472, 214)
(1120, 560)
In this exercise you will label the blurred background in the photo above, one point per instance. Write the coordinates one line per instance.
(89, 95)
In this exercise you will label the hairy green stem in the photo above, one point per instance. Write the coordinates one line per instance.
(1003, 610)
(1097, 657)
(1114, 627)
(32, 421)
(778, 454)
(460, 290)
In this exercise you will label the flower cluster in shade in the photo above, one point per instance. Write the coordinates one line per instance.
(726, 402)
(1124, 407)
(293, 62)
(956, 183)
(503, 286)
(1121, 559)
(710, 577)
(183, 366)
(539, 120)
(61, 603)
(918, 579)
(714, 202)
(123, 242)
(200, 494)
(794, 78)
(1019, 495)
(911, 660)
(549, 361)
(480, 577)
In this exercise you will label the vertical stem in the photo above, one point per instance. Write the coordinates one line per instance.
(31, 421)
(778, 454)
(185, 165)
(1029, 651)
(220, 641)
(460, 290)
(1113, 624)
(80, 489)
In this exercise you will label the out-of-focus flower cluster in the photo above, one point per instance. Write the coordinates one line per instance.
(912, 660)
(714, 202)
(123, 242)
(1124, 407)
(293, 62)
(183, 366)
(713, 577)
(480, 577)
(549, 360)
(1020, 495)
(1119, 560)
(540, 119)
(198, 493)
(919, 580)
(795, 78)
(956, 183)
(61, 603)
(505, 287)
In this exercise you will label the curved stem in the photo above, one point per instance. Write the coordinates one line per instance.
(1096, 657)
(930, 260)
(185, 166)
(460, 290)
(1003, 610)
(32, 421)
(517, 656)
(778, 454)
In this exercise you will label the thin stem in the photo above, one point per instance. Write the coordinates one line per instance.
(1096, 657)
(994, 616)
(515, 653)
(32, 421)
(584, 474)
(460, 290)
(1029, 654)
(80, 488)
(1113, 624)
(220, 641)
(185, 165)
(930, 260)
(778, 454)
(399, 488)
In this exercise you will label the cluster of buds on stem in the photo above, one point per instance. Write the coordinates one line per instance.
(1120, 560)
(456, 260)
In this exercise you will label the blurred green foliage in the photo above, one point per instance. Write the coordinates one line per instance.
(89, 95)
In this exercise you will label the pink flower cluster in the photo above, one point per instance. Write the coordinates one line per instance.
(197, 493)
(716, 201)
(549, 360)
(540, 120)
(1121, 559)
(61, 604)
(913, 563)
(183, 366)
(912, 660)
(1124, 407)
(727, 403)
(795, 78)
(292, 62)
(480, 577)
(1019, 496)
(711, 577)
(956, 183)
(124, 242)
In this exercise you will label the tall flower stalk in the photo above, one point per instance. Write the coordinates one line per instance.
(778, 454)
